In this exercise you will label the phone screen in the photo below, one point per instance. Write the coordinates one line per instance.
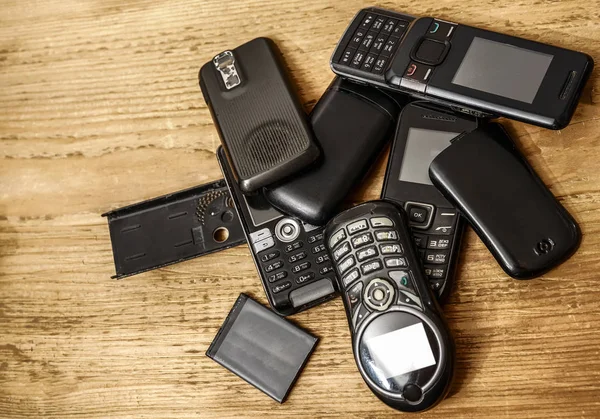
(503, 69)
(260, 210)
(422, 146)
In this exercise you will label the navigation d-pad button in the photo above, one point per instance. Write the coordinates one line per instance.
(430, 52)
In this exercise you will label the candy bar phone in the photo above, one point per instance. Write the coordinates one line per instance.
(290, 256)
(423, 131)
(469, 69)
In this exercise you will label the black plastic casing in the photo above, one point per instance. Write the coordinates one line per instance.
(263, 128)
(352, 123)
(430, 313)
(527, 230)
(554, 103)
(173, 228)
(428, 116)
(298, 296)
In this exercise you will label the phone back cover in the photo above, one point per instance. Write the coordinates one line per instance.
(483, 174)
(352, 123)
(263, 128)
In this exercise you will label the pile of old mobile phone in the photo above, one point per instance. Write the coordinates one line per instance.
(288, 176)
(287, 173)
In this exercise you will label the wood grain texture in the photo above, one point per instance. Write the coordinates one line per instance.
(100, 107)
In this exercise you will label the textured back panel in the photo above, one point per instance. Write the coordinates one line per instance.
(262, 129)
(261, 122)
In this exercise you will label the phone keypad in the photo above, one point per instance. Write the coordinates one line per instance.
(432, 231)
(293, 265)
(373, 43)
(377, 276)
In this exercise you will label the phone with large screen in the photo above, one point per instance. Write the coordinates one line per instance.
(469, 69)
(424, 130)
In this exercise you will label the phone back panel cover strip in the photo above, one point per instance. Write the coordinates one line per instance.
(173, 228)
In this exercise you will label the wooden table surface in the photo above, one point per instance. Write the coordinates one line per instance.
(100, 108)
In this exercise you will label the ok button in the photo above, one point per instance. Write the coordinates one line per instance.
(418, 214)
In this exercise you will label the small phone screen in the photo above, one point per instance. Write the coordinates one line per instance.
(422, 146)
(503, 69)
(401, 351)
(260, 210)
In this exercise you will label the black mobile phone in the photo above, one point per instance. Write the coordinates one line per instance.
(469, 69)
(351, 123)
(263, 128)
(290, 256)
(423, 131)
(401, 343)
(483, 174)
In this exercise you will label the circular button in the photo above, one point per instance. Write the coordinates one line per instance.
(287, 230)
(379, 294)
(412, 392)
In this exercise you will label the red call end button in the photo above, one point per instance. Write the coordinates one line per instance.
(419, 72)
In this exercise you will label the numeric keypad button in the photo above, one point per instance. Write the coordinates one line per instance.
(369, 61)
(362, 240)
(366, 253)
(277, 276)
(281, 287)
(367, 21)
(390, 249)
(367, 41)
(390, 46)
(297, 257)
(437, 258)
(341, 251)
(389, 26)
(378, 24)
(386, 235)
(371, 267)
(347, 56)
(395, 263)
(294, 246)
(358, 59)
(381, 222)
(439, 242)
(357, 38)
(325, 270)
(346, 264)
(301, 267)
(322, 259)
(305, 278)
(420, 240)
(315, 238)
(269, 256)
(378, 44)
(352, 276)
(380, 64)
(273, 266)
(435, 272)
